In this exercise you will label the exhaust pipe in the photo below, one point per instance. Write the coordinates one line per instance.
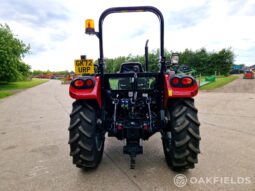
(146, 56)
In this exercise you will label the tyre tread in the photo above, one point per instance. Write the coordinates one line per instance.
(83, 134)
(181, 147)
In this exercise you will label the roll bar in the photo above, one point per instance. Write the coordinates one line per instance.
(128, 10)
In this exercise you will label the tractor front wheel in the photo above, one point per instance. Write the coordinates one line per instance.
(181, 137)
(85, 137)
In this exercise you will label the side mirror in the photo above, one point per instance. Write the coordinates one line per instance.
(175, 59)
(90, 27)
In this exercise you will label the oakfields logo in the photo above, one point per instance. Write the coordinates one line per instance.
(180, 180)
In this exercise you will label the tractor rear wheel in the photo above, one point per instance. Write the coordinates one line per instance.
(181, 137)
(85, 137)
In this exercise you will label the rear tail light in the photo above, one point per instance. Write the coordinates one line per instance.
(83, 83)
(78, 83)
(181, 81)
(187, 81)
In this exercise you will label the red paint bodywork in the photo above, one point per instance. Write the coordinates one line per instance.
(93, 94)
(177, 92)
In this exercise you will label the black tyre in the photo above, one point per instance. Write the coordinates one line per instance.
(85, 137)
(181, 137)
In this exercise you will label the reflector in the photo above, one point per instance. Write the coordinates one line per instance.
(175, 81)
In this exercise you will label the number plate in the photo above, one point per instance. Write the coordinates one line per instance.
(84, 66)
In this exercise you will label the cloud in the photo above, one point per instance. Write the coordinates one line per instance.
(235, 6)
(55, 28)
(187, 17)
(245, 56)
(38, 22)
(138, 33)
(241, 7)
(33, 13)
(250, 11)
(38, 49)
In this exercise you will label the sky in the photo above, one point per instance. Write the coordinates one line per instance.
(55, 28)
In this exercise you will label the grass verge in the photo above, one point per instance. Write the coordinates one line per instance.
(220, 81)
(14, 87)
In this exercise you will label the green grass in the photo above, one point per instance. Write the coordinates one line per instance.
(12, 87)
(4, 94)
(220, 81)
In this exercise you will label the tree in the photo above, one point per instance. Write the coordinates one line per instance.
(12, 50)
(226, 57)
(24, 71)
(204, 62)
(207, 63)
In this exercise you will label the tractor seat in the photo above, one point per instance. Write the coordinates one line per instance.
(131, 67)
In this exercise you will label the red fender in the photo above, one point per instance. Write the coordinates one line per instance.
(173, 92)
(91, 94)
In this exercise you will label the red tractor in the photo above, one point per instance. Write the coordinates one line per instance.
(132, 105)
(248, 75)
